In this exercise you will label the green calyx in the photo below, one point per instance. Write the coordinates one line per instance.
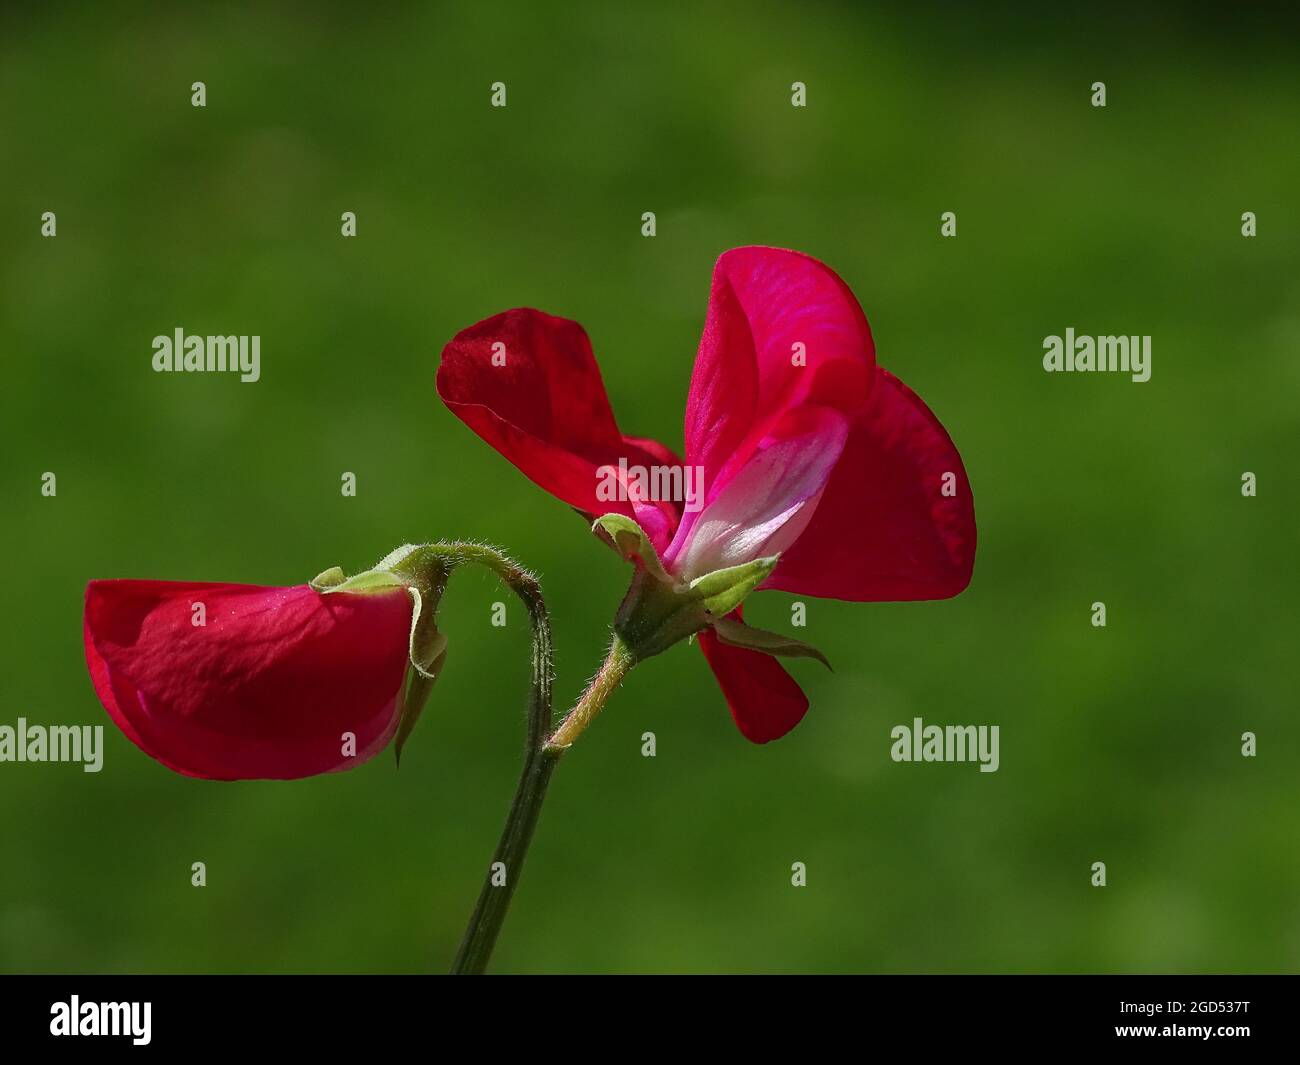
(654, 615)
(659, 611)
(423, 570)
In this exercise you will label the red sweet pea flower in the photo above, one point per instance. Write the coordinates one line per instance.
(807, 450)
(265, 689)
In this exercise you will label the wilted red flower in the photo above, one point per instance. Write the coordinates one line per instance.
(807, 449)
(267, 687)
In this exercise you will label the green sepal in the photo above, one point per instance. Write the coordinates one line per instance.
(373, 580)
(628, 538)
(419, 685)
(427, 644)
(328, 579)
(738, 634)
(720, 592)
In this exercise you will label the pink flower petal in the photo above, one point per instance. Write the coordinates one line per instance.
(883, 529)
(768, 310)
(266, 689)
(545, 409)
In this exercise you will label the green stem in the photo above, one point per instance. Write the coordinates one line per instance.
(507, 863)
(508, 860)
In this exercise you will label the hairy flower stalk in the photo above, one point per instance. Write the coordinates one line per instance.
(615, 667)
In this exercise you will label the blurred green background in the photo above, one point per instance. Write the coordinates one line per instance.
(1119, 744)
